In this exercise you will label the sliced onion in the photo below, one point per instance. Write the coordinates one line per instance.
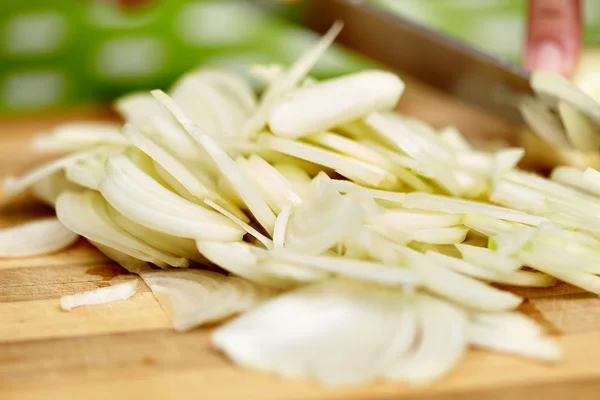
(15, 185)
(191, 183)
(552, 189)
(346, 166)
(443, 342)
(544, 259)
(266, 74)
(582, 132)
(154, 120)
(136, 107)
(35, 238)
(146, 164)
(87, 172)
(398, 157)
(322, 220)
(543, 122)
(48, 189)
(79, 136)
(296, 176)
(280, 229)
(506, 160)
(350, 187)
(592, 177)
(554, 88)
(131, 264)
(513, 341)
(292, 76)
(333, 102)
(235, 88)
(171, 136)
(85, 214)
(143, 200)
(117, 292)
(451, 235)
(355, 269)
(480, 164)
(443, 282)
(194, 297)
(273, 187)
(371, 243)
(449, 205)
(226, 165)
(489, 226)
(268, 243)
(518, 197)
(207, 107)
(412, 220)
(431, 154)
(182, 247)
(573, 177)
(351, 148)
(452, 138)
(488, 258)
(241, 259)
(517, 278)
(304, 333)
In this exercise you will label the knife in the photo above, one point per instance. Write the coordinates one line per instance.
(454, 67)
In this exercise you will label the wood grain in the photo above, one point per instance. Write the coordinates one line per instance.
(127, 350)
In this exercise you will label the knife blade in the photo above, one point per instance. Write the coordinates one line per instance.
(454, 67)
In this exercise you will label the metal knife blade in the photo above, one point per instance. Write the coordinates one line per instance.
(472, 75)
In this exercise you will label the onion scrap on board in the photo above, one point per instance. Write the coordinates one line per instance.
(314, 210)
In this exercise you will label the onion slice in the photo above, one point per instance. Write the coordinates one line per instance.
(351, 168)
(48, 189)
(292, 76)
(443, 282)
(268, 243)
(195, 297)
(516, 278)
(140, 198)
(35, 238)
(443, 342)
(355, 269)
(229, 170)
(280, 229)
(117, 292)
(85, 214)
(488, 258)
(77, 136)
(15, 185)
(512, 333)
(333, 102)
(182, 247)
(241, 259)
(87, 172)
(305, 333)
(450, 205)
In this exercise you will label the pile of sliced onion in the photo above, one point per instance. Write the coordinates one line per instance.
(353, 243)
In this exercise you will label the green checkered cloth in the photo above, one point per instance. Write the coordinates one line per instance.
(55, 53)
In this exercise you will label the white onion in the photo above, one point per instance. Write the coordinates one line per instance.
(194, 297)
(226, 165)
(44, 236)
(78, 136)
(333, 102)
(85, 214)
(117, 292)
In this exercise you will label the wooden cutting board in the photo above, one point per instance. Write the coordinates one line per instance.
(127, 350)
